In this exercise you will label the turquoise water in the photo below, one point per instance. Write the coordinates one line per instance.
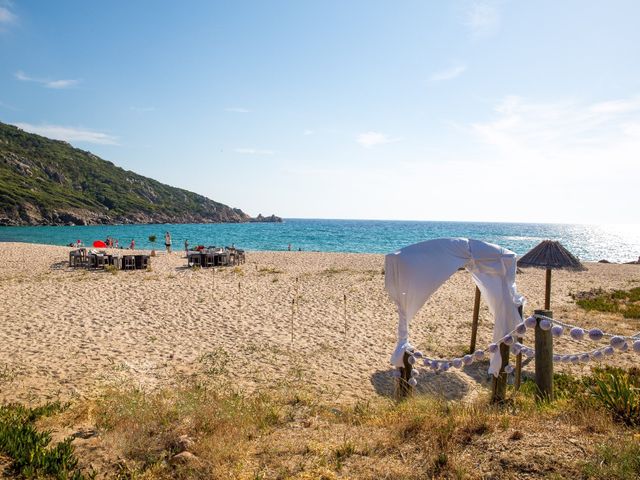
(588, 242)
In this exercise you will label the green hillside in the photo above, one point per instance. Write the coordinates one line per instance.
(49, 182)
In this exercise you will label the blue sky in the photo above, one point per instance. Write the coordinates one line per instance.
(459, 110)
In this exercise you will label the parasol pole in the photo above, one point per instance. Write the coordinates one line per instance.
(547, 290)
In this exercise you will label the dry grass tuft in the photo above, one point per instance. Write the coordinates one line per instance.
(286, 432)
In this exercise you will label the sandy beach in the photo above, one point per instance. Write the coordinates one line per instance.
(70, 333)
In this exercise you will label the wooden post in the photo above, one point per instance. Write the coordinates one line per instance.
(474, 325)
(499, 391)
(404, 390)
(547, 290)
(345, 314)
(293, 309)
(518, 379)
(544, 359)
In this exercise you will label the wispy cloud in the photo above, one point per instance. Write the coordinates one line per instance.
(7, 17)
(308, 132)
(47, 82)
(568, 136)
(483, 18)
(254, 151)
(237, 110)
(448, 73)
(372, 139)
(69, 134)
(8, 107)
(142, 109)
(585, 153)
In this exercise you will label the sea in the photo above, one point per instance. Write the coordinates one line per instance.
(615, 243)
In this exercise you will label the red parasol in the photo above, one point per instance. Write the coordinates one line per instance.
(99, 244)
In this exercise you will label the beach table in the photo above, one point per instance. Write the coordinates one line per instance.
(207, 259)
(101, 260)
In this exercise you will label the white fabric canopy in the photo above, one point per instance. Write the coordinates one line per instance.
(414, 273)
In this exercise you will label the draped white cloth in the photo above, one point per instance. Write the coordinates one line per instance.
(414, 273)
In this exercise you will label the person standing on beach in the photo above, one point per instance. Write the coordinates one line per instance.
(186, 247)
(132, 246)
(167, 241)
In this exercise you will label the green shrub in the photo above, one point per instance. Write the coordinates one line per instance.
(618, 392)
(617, 301)
(29, 450)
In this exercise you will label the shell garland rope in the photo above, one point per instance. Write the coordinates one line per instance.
(616, 342)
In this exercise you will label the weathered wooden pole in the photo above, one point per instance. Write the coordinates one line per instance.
(403, 388)
(345, 314)
(547, 290)
(293, 309)
(474, 325)
(544, 359)
(518, 379)
(499, 391)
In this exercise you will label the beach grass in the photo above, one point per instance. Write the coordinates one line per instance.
(210, 429)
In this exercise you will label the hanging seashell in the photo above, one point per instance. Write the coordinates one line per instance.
(608, 350)
(456, 362)
(585, 357)
(576, 333)
(426, 362)
(636, 346)
(411, 360)
(556, 358)
(530, 322)
(413, 382)
(478, 355)
(545, 324)
(557, 331)
(418, 354)
(467, 359)
(597, 354)
(529, 353)
(574, 359)
(516, 348)
(415, 372)
(508, 340)
(617, 342)
(521, 329)
(508, 368)
(492, 348)
(595, 334)
(624, 347)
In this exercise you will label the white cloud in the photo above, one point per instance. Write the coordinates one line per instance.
(142, 109)
(237, 110)
(69, 134)
(8, 107)
(580, 157)
(372, 139)
(56, 84)
(7, 17)
(308, 132)
(254, 151)
(448, 74)
(483, 18)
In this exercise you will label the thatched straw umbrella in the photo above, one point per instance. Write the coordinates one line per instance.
(550, 254)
